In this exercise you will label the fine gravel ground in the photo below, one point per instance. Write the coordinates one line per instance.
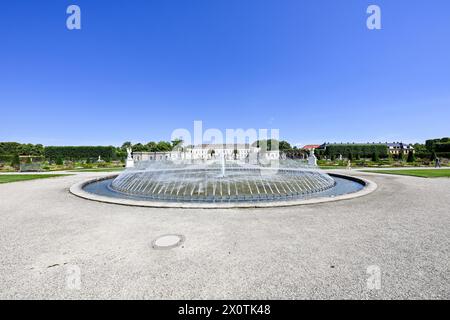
(323, 251)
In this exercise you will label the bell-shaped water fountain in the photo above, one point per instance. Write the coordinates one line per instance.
(220, 181)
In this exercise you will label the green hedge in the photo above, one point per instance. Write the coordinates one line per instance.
(442, 147)
(79, 153)
(356, 150)
(6, 158)
(11, 148)
(438, 145)
(443, 155)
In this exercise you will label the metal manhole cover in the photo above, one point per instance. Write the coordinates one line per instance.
(168, 241)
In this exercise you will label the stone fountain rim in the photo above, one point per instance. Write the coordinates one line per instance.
(78, 190)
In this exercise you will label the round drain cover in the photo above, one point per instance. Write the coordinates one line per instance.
(168, 241)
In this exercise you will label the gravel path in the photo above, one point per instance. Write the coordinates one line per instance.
(318, 251)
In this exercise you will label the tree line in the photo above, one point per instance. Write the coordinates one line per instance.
(10, 151)
(438, 147)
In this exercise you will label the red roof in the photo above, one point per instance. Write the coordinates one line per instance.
(311, 146)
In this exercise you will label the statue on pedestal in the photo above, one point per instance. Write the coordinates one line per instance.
(130, 161)
(312, 159)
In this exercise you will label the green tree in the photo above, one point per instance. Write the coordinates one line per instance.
(164, 146)
(75, 153)
(390, 158)
(375, 157)
(284, 146)
(139, 147)
(411, 157)
(11, 148)
(176, 143)
(267, 144)
(126, 145)
(433, 156)
(152, 146)
(421, 151)
(364, 150)
(15, 161)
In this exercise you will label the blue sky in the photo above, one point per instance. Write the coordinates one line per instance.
(137, 70)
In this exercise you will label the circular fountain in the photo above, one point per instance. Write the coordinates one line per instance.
(215, 183)
(220, 183)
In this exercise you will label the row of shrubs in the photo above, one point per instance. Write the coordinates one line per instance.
(75, 153)
(58, 155)
(438, 145)
(10, 150)
(7, 158)
(353, 151)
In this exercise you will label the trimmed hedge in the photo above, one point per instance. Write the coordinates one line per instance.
(443, 155)
(79, 153)
(438, 145)
(442, 147)
(356, 150)
(6, 158)
(11, 148)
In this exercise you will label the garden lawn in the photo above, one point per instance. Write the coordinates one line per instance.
(5, 178)
(423, 173)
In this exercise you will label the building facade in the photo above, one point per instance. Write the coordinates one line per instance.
(209, 152)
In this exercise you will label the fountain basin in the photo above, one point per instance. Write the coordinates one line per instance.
(103, 189)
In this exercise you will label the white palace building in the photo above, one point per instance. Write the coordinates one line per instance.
(208, 152)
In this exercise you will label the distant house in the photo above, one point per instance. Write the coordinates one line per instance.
(396, 148)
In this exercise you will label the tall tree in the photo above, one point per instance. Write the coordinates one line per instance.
(152, 146)
(138, 147)
(126, 145)
(411, 157)
(164, 146)
(176, 143)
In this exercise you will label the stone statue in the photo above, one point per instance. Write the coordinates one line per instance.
(130, 161)
(312, 160)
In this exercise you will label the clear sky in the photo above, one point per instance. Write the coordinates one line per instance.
(137, 70)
